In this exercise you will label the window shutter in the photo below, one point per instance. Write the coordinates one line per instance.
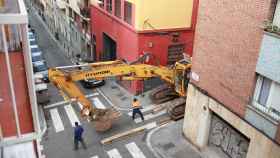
(276, 18)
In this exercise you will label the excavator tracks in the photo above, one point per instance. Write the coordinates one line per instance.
(165, 95)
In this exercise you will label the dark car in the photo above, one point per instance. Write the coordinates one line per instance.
(92, 83)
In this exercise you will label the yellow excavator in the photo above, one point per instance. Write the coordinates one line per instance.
(65, 78)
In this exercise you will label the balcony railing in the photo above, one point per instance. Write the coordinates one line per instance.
(270, 27)
(13, 38)
(268, 111)
(85, 12)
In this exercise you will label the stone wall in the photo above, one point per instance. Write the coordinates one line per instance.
(197, 125)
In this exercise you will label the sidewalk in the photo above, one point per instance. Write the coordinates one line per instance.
(174, 145)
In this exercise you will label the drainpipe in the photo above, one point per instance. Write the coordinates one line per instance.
(10, 80)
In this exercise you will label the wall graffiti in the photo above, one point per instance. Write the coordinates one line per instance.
(230, 141)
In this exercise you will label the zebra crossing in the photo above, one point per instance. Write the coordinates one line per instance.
(72, 115)
(132, 148)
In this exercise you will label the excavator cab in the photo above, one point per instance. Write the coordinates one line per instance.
(182, 76)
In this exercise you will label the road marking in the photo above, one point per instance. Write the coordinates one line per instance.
(106, 98)
(67, 101)
(134, 150)
(94, 157)
(150, 116)
(114, 153)
(97, 103)
(57, 122)
(145, 109)
(109, 101)
(151, 125)
(71, 114)
(80, 105)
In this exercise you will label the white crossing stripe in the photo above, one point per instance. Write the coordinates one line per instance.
(71, 114)
(97, 103)
(114, 153)
(149, 116)
(57, 122)
(67, 101)
(134, 150)
(94, 157)
(80, 105)
(145, 109)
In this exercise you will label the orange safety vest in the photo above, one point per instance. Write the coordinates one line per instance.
(136, 105)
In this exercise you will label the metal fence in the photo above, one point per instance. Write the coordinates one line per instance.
(13, 38)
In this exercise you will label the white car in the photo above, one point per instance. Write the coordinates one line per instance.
(40, 67)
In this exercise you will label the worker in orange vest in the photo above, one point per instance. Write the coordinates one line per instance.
(136, 109)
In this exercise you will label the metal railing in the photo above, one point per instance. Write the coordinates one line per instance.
(267, 110)
(13, 38)
(268, 26)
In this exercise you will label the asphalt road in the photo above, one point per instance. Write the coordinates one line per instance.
(58, 139)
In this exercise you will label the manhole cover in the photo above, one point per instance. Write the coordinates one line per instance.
(168, 146)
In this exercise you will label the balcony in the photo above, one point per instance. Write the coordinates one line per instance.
(85, 12)
(264, 109)
(268, 64)
(271, 28)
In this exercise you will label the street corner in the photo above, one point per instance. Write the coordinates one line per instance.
(173, 145)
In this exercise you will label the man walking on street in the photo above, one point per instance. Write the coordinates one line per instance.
(136, 109)
(78, 136)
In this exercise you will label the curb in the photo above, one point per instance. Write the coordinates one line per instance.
(149, 144)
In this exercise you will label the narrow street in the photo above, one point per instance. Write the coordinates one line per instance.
(60, 116)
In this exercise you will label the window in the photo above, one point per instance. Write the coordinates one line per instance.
(266, 97)
(264, 91)
(109, 5)
(70, 13)
(101, 3)
(128, 12)
(118, 8)
(276, 18)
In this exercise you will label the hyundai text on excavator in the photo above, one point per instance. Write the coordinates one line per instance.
(64, 79)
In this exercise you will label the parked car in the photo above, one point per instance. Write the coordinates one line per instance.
(41, 89)
(31, 35)
(92, 83)
(37, 56)
(34, 48)
(40, 67)
(32, 42)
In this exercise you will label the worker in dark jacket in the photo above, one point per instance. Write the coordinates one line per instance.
(78, 136)
(136, 109)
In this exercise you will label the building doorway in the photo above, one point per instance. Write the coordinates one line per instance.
(109, 48)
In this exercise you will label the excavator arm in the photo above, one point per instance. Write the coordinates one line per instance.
(64, 79)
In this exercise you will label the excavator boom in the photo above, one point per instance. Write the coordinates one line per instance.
(64, 79)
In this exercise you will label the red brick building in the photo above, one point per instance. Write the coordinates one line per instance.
(19, 125)
(126, 29)
(231, 103)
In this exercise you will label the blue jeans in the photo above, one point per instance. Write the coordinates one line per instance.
(137, 111)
